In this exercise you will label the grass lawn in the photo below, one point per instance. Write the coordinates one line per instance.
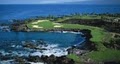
(46, 24)
(98, 56)
(107, 55)
(74, 57)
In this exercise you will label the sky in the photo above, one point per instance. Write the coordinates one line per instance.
(59, 1)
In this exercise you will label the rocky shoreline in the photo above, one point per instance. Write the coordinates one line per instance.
(38, 54)
(52, 59)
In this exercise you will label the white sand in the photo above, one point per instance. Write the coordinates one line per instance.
(57, 26)
(36, 26)
(39, 21)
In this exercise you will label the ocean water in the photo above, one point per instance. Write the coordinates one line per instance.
(63, 39)
(8, 12)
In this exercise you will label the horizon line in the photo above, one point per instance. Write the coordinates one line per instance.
(57, 4)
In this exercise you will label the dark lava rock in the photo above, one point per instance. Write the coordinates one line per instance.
(51, 59)
(34, 59)
(112, 62)
(5, 57)
(20, 60)
(29, 45)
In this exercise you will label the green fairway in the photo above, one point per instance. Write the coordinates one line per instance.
(107, 55)
(74, 57)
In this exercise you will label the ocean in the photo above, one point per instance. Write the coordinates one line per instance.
(9, 12)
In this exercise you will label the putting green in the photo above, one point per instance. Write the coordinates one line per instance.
(44, 24)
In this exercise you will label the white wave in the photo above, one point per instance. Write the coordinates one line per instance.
(3, 52)
(14, 53)
(36, 54)
(6, 62)
(36, 63)
(50, 46)
(51, 50)
(56, 52)
(72, 32)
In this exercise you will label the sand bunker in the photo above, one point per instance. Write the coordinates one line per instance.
(39, 21)
(36, 26)
(58, 26)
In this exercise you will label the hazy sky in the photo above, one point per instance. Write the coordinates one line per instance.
(59, 1)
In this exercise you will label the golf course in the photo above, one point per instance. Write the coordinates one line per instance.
(99, 36)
